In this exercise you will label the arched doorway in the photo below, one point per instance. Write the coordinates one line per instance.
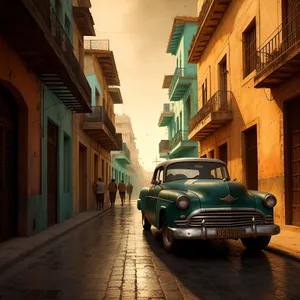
(8, 165)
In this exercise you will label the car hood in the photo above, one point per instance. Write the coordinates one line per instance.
(216, 193)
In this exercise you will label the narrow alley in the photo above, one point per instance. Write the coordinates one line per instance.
(111, 257)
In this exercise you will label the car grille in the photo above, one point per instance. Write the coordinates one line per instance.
(232, 218)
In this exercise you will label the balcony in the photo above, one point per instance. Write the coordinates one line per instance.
(210, 16)
(279, 58)
(123, 156)
(101, 49)
(215, 113)
(179, 143)
(167, 114)
(83, 18)
(100, 127)
(52, 57)
(164, 148)
(115, 94)
(181, 81)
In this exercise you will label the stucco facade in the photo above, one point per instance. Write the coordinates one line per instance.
(91, 157)
(133, 171)
(252, 111)
(182, 93)
(24, 88)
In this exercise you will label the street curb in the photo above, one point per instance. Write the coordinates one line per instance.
(23, 255)
(283, 252)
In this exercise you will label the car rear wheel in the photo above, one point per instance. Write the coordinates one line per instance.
(168, 242)
(145, 222)
(256, 244)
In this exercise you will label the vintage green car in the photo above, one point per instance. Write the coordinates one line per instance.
(194, 198)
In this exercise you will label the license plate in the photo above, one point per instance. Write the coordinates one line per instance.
(231, 233)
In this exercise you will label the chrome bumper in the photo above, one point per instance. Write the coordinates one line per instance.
(203, 233)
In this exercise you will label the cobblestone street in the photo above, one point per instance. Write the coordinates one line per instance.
(112, 258)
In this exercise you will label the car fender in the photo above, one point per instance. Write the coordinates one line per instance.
(138, 204)
(259, 197)
(142, 197)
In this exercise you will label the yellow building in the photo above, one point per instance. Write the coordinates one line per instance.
(247, 54)
(94, 134)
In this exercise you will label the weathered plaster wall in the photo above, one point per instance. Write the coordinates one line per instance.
(26, 88)
(250, 106)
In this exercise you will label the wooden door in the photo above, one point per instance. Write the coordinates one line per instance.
(251, 158)
(223, 153)
(52, 174)
(8, 165)
(292, 157)
(82, 179)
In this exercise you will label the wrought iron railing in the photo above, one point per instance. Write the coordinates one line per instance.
(48, 15)
(164, 146)
(96, 45)
(219, 102)
(99, 114)
(168, 107)
(281, 44)
(180, 136)
(126, 151)
(180, 73)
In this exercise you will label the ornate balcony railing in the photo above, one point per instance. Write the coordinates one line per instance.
(280, 45)
(219, 102)
(48, 15)
(168, 107)
(99, 114)
(126, 151)
(164, 146)
(180, 136)
(180, 73)
(96, 45)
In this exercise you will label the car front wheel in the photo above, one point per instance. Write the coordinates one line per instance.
(168, 242)
(145, 222)
(256, 244)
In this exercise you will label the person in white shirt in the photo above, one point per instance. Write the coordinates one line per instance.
(99, 189)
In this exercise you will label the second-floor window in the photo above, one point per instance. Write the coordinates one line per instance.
(249, 48)
(204, 92)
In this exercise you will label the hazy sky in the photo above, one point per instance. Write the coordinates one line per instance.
(139, 31)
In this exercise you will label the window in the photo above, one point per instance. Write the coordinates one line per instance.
(249, 48)
(204, 92)
(196, 170)
(66, 163)
(189, 108)
(67, 25)
(180, 121)
(58, 9)
(95, 167)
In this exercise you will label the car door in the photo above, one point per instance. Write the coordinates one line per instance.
(153, 194)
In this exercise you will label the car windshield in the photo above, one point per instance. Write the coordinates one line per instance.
(196, 170)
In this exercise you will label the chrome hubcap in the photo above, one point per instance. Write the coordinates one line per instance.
(166, 236)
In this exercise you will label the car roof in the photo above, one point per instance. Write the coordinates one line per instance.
(175, 160)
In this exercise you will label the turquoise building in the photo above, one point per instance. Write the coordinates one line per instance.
(120, 163)
(58, 102)
(182, 93)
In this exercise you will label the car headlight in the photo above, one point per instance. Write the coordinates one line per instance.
(270, 201)
(182, 202)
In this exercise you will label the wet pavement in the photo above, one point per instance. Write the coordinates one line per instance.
(112, 258)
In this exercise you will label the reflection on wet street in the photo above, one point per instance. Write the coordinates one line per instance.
(112, 258)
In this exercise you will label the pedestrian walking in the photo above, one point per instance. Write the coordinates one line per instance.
(99, 191)
(129, 190)
(122, 191)
(112, 188)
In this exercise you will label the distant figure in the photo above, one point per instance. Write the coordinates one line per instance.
(129, 190)
(99, 191)
(112, 188)
(122, 191)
